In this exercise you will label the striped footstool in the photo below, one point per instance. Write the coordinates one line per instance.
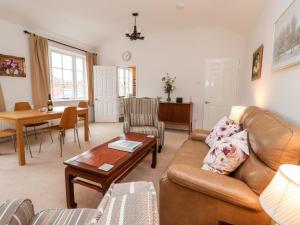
(132, 203)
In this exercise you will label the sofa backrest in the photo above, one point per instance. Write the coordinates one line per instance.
(272, 141)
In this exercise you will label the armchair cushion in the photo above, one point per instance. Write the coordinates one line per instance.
(16, 212)
(214, 185)
(145, 130)
(141, 120)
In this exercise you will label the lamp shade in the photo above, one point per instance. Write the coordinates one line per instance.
(281, 198)
(236, 113)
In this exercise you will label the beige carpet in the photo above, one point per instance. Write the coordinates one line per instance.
(42, 179)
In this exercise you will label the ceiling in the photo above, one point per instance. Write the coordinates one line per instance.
(92, 22)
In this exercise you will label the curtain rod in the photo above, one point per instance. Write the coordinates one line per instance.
(70, 46)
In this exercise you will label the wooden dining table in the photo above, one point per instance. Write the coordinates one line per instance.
(21, 118)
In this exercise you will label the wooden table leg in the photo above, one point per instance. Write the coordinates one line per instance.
(69, 190)
(20, 143)
(154, 157)
(86, 126)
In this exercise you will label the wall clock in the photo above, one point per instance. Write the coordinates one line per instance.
(126, 56)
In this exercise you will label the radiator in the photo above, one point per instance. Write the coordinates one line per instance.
(5, 125)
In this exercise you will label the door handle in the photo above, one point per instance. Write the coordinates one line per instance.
(96, 99)
(207, 102)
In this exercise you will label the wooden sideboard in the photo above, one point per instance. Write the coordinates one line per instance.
(176, 114)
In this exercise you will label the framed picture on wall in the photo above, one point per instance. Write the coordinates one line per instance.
(286, 49)
(12, 66)
(257, 63)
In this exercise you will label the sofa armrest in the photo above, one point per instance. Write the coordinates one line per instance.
(199, 135)
(17, 212)
(222, 187)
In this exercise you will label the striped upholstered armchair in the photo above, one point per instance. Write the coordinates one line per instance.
(141, 116)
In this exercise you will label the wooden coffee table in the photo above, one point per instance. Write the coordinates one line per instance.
(83, 169)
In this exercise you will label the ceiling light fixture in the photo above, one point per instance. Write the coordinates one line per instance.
(135, 35)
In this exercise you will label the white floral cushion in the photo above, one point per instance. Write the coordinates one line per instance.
(227, 154)
(224, 128)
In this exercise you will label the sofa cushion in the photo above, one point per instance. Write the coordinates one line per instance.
(191, 153)
(16, 212)
(141, 119)
(222, 187)
(272, 139)
(227, 154)
(145, 130)
(64, 216)
(255, 173)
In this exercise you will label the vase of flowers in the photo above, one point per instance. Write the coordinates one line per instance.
(168, 85)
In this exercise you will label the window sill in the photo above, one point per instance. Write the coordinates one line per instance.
(68, 100)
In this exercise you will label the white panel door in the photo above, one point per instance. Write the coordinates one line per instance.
(220, 91)
(106, 95)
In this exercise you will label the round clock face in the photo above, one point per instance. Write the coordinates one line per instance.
(126, 56)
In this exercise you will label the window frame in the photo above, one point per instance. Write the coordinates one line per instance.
(74, 56)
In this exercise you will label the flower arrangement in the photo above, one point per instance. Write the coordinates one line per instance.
(168, 85)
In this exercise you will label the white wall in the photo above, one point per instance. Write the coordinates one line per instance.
(14, 42)
(181, 54)
(279, 91)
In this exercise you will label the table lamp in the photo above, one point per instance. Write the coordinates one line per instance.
(236, 113)
(281, 198)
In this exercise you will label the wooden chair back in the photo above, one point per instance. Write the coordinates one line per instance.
(69, 118)
(19, 106)
(83, 104)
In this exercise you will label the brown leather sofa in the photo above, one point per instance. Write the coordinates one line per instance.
(192, 196)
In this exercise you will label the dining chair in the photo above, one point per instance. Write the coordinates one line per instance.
(68, 121)
(85, 105)
(9, 133)
(21, 106)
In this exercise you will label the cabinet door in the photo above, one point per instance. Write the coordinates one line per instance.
(165, 112)
(182, 113)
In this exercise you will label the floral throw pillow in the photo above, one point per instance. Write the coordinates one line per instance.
(224, 128)
(227, 154)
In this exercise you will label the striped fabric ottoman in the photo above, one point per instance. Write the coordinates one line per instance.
(132, 203)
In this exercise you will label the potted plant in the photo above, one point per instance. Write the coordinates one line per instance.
(168, 85)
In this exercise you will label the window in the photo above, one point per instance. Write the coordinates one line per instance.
(125, 78)
(68, 75)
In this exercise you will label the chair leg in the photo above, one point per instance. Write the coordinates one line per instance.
(60, 142)
(40, 149)
(74, 135)
(76, 130)
(27, 142)
(35, 135)
(14, 142)
(49, 130)
(159, 148)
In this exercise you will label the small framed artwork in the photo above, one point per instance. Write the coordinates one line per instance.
(286, 46)
(12, 66)
(257, 63)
